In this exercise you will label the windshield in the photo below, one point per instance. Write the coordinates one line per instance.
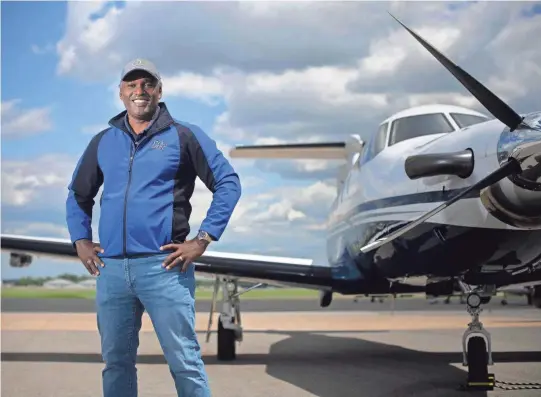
(465, 120)
(414, 126)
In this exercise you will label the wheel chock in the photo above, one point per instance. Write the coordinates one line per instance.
(480, 384)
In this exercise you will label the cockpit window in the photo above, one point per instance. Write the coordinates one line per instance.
(420, 125)
(465, 120)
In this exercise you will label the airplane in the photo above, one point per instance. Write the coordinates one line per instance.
(438, 197)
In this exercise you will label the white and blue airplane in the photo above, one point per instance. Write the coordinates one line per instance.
(439, 198)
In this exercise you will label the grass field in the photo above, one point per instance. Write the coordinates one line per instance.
(201, 293)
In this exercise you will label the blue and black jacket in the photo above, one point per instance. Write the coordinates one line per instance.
(147, 186)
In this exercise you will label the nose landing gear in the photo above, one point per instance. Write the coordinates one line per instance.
(477, 347)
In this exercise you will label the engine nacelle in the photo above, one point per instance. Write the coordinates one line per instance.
(512, 204)
(516, 200)
(20, 260)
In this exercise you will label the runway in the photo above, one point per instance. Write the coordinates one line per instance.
(271, 305)
(333, 352)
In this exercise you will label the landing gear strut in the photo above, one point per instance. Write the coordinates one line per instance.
(229, 320)
(477, 347)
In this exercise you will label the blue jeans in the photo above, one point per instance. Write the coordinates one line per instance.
(127, 287)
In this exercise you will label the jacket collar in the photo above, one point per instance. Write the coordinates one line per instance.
(163, 120)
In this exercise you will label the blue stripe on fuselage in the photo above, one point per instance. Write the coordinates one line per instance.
(396, 201)
(343, 245)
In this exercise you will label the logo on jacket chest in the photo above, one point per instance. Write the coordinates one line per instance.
(157, 144)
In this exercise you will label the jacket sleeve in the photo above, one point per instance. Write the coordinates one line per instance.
(220, 178)
(85, 183)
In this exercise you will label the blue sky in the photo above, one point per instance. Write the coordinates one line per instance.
(75, 110)
(280, 72)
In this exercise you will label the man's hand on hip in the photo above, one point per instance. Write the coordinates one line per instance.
(186, 252)
(87, 250)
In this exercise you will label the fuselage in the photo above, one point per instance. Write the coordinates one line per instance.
(378, 197)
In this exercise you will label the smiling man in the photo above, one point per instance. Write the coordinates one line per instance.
(147, 163)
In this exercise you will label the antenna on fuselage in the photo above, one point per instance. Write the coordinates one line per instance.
(491, 102)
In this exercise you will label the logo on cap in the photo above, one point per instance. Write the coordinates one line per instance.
(137, 62)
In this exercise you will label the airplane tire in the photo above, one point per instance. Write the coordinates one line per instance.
(226, 343)
(477, 359)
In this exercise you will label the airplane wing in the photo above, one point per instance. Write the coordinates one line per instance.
(327, 150)
(258, 268)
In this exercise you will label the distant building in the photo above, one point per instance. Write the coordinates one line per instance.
(89, 283)
(59, 283)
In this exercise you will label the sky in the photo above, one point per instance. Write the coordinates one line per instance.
(247, 73)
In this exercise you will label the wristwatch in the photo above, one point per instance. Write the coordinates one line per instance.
(204, 236)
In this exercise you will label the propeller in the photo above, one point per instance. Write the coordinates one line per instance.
(494, 105)
(491, 102)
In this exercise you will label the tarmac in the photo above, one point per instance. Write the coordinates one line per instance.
(411, 349)
(340, 303)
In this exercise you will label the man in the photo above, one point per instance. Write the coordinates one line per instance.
(147, 162)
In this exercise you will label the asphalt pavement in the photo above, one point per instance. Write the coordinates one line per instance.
(290, 355)
(271, 305)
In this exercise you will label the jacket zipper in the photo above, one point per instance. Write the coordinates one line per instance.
(135, 145)
(132, 155)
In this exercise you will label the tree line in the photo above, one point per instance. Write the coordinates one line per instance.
(39, 281)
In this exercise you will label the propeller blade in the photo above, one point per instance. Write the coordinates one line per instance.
(511, 167)
(491, 102)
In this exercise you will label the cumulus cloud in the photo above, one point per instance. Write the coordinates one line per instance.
(39, 182)
(305, 72)
(18, 122)
(310, 72)
(265, 213)
(276, 209)
(198, 37)
(301, 169)
(36, 229)
(286, 221)
(208, 90)
(34, 194)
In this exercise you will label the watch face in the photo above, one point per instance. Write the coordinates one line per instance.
(203, 235)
